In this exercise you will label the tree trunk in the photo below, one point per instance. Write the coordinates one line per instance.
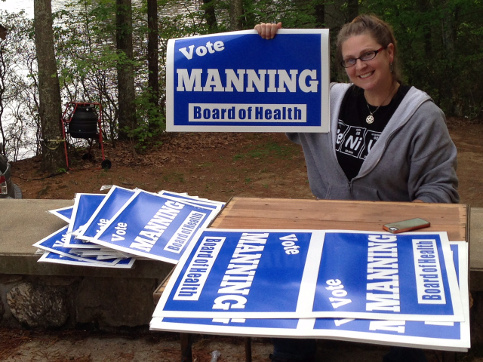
(449, 29)
(449, 35)
(50, 112)
(319, 8)
(153, 65)
(209, 6)
(236, 15)
(352, 9)
(426, 7)
(125, 68)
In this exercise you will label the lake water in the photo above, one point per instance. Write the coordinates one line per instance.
(16, 6)
(28, 6)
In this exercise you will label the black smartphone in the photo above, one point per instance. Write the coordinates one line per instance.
(406, 225)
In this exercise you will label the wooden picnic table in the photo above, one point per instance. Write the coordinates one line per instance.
(311, 214)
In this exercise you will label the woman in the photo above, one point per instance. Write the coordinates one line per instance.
(388, 142)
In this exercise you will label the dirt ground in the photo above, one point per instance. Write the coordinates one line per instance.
(218, 166)
(83, 346)
(210, 165)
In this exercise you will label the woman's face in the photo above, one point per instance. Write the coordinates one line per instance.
(370, 75)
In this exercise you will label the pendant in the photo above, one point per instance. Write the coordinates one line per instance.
(370, 119)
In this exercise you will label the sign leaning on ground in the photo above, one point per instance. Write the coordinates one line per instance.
(239, 82)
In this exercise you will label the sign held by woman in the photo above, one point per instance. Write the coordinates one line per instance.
(239, 82)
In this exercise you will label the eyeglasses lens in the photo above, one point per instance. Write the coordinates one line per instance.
(364, 57)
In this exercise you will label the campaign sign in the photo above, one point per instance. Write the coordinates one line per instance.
(154, 226)
(89, 262)
(56, 251)
(311, 274)
(110, 205)
(402, 274)
(64, 213)
(194, 200)
(236, 271)
(449, 336)
(239, 82)
(84, 206)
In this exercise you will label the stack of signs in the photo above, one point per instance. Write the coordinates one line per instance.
(112, 230)
(406, 289)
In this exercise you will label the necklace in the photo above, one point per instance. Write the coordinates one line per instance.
(370, 117)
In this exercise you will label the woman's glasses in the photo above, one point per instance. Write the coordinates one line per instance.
(350, 62)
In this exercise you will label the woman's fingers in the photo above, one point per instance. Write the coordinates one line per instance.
(268, 30)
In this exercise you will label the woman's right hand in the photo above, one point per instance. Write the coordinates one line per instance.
(268, 30)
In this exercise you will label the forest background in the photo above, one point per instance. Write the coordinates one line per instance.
(113, 52)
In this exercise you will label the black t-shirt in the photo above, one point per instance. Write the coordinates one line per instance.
(355, 137)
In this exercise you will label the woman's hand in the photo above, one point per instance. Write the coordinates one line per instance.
(268, 30)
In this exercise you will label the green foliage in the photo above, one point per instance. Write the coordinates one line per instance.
(440, 49)
(271, 149)
(293, 14)
(439, 42)
(439, 46)
(151, 123)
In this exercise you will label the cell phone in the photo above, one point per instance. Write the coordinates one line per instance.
(406, 225)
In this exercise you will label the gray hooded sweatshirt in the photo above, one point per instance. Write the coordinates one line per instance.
(414, 157)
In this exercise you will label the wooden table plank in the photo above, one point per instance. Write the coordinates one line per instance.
(273, 213)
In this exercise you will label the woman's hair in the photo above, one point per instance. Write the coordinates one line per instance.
(381, 31)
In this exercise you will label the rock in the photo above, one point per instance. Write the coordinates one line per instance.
(115, 302)
(38, 305)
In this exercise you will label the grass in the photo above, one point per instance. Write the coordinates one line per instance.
(205, 165)
(175, 177)
(270, 149)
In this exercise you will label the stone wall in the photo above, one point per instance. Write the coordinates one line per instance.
(65, 302)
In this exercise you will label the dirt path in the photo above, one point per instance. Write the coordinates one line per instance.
(82, 346)
(469, 141)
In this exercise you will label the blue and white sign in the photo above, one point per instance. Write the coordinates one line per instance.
(154, 226)
(110, 205)
(447, 336)
(55, 250)
(239, 82)
(89, 262)
(64, 213)
(84, 206)
(314, 274)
